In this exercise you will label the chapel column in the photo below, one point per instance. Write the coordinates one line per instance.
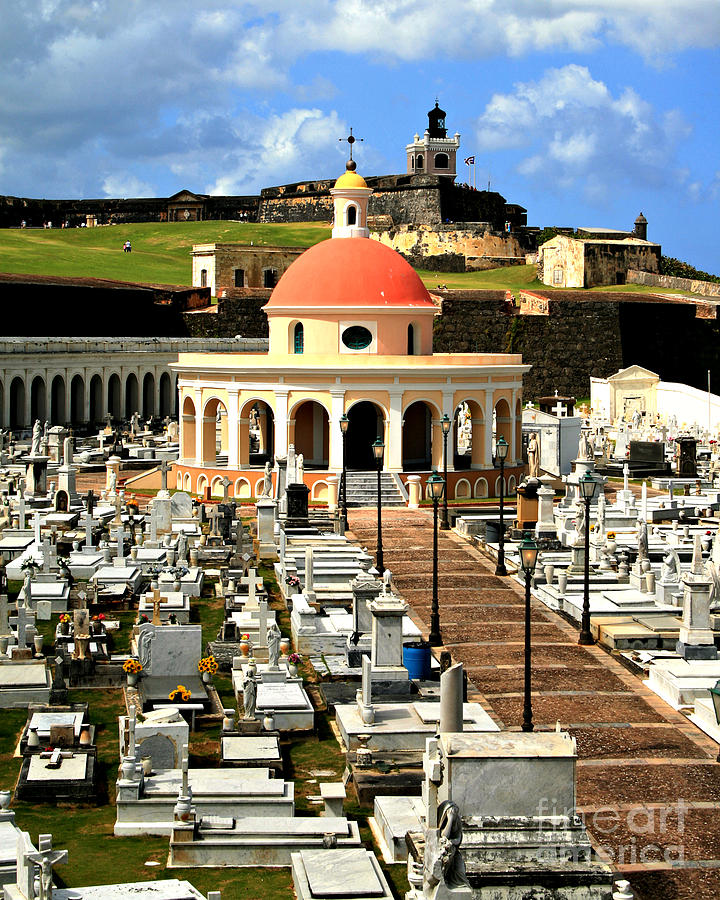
(232, 426)
(489, 408)
(199, 427)
(393, 436)
(281, 423)
(337, 408)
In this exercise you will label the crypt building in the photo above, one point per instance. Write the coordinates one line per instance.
(350, 334)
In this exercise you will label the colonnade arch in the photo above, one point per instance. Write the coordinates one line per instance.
(77, 399)
(188, 429)
(148, 395)
(366, 422)
(17, 403)
(417, 437)
(467, 436)
(113, 396)
(132, 395)
(214, 430)
(256, 433)
(58, 413)
(310, 432)
(38, 399)
(96, 399)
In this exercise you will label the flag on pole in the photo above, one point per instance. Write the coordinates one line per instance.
(470, 161)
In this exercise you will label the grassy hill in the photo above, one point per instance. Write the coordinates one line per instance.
(161, 253)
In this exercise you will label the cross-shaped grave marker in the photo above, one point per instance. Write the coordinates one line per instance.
(251, 581)
(214, 515)
(559, 410)
(46, 858)
(156, 601)
(22, 619)
(164, 469)
(46, 554)
(120, 539)
(225, 482)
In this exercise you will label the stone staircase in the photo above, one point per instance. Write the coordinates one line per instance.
(362, 489)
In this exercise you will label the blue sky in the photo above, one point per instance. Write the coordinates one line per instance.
(585, 112)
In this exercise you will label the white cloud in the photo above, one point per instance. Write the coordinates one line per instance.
(119, 185)
(574, 131)
(299, 141)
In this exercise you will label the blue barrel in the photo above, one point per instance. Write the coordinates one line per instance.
(416, 659)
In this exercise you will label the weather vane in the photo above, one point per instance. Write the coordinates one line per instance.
(351, 139)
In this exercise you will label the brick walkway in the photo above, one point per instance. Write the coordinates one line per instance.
(639, 760)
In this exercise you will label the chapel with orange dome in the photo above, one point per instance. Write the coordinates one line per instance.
(350, 334)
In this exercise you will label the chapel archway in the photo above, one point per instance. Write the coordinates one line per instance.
(467, 436)
(366, 422)
(257, 434)
(187, 450)
(417, 438)
(311, 433)
(214, 432)
(502, 426)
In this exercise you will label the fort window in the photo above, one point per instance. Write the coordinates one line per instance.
(299, 338)
(420, 162)
(352, 215)
(239, 277)
(442, 161)
(203, 277)
(269, 278)
(557, 275)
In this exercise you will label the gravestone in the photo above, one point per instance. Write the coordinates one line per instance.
(181, 505)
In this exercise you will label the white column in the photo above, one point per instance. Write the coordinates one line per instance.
(489, 407)
(514, 449)
(232, 426)
(393, 433)
(337, 408)
(6, 399)
(86, 396)
(281, 423)
(199, 423)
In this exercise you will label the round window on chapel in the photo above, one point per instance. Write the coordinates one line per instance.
(357, 337)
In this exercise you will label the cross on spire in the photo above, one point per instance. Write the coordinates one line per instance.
(351, 139)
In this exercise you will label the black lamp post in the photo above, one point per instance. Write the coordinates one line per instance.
(344, 423)
(445, 423)
(587, 489)
(528, 559)
(501, 452)
(715, 697)
(378, 449)
(436, 491)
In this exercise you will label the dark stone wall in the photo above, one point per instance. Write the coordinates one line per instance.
(575, 341)
(668, 339)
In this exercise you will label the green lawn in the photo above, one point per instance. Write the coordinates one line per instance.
(161, 251)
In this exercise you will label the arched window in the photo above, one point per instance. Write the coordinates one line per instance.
(299, 338)
(352, 215)
(419, 163)
(442, 161)
(411, 340)
(203, 277)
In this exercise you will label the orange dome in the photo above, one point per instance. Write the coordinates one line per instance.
(350, 272)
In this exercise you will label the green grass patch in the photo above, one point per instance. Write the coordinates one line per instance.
(161, 251)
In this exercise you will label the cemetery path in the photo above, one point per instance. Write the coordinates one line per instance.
(648, 784)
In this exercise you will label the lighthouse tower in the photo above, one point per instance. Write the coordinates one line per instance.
(434, 153)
